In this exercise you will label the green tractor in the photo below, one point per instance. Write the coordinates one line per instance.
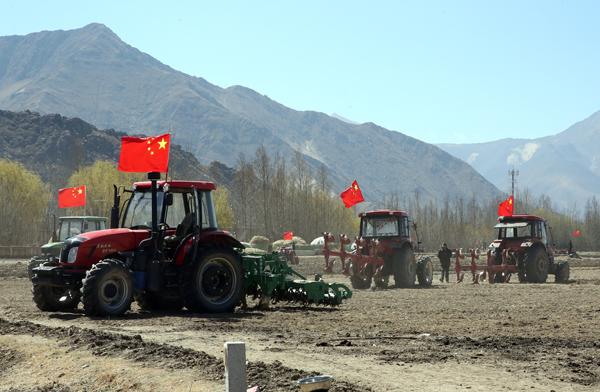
(66, 227)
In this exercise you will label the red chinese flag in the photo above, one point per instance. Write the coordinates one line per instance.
(288, 235)
(506, 208)
(576, 233)
(352, 195)
(71, 197)
(145, 154)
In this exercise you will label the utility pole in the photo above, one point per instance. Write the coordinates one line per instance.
(513, 174)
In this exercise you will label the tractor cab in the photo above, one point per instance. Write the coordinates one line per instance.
(514, 231)
(384, 224)
(183, 207)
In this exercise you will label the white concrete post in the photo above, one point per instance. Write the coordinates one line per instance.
(235, 367)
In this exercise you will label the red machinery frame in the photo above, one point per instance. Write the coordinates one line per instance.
(360, 259)
(489, 270)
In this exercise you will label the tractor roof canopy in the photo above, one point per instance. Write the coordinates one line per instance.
(510, 225)
(200, 185)
(83, 217)
(383, 213)
(519, 218)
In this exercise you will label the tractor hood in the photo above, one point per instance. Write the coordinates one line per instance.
(94, 246)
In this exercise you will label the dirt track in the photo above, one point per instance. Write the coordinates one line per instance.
(451, 337)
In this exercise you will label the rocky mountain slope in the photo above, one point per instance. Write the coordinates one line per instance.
(90, 73)
(565, 166)
(54, 146)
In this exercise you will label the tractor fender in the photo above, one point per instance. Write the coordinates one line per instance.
(213, 238)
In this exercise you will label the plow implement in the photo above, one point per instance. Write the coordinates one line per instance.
(497, 269)
(270, 279)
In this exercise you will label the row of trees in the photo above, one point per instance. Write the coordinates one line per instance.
(23, 205)
(269, 195)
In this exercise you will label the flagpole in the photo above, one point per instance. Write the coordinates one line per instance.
(168, 163)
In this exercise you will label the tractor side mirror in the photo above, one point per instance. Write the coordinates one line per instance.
(169, 199)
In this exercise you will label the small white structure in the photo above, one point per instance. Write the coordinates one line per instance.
(235, 367)
(318, 241)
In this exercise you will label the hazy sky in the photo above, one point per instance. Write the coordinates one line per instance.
(444, 71)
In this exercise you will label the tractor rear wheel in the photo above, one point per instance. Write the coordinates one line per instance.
(107, 289)
(52, 298)
(152, 301)
(536, 265)
(214, 283)
(405, 268)
(563, 272)
(360, 280)
(425, 272)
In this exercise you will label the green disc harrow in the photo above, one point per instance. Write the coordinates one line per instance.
(270, 279)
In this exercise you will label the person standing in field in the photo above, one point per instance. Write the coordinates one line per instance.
(445, 254)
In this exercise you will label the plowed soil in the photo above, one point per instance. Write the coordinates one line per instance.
(449, 337)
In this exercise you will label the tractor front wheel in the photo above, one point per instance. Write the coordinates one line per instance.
(536, 265)
(563, 272)
(52, 299)
(425, 272)
(360, 280)
(107, 289)
(214, 283)
(405, 268)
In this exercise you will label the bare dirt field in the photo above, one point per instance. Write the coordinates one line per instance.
(451, 337)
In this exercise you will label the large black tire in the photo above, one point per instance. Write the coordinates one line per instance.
(214, 282)
(425, 272)
(405, 267)
(53, 299)
(563, 272)
(358, 280)
(152, 301)
(536, 265)
(35, 261)
(107, 289)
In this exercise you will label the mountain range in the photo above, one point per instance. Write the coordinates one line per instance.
(565, 166)
(90, 73)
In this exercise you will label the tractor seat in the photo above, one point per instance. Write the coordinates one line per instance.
(183, 229)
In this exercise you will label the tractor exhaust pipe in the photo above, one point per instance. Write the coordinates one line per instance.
(153, 268)
(114, 211)
(154, 177)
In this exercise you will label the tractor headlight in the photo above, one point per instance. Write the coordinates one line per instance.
(72, 254)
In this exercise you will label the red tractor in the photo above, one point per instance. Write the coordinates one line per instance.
(524, 246)
(384, 247)
(164, 250)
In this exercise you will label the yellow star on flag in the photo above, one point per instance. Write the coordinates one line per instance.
(162, 144)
